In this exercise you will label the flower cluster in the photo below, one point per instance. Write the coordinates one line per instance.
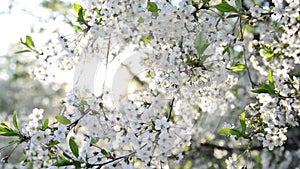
(205, 61)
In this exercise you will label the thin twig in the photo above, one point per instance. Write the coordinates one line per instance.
(244, 54)
(171, 109)
(70, 126)
(116, 159)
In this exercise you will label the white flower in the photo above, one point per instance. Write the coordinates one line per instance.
(40, 137)
(255, 11)
(161, 124)
(30, 128)
(36, 115)
(60, 133)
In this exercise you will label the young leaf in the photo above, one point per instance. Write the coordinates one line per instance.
(77, 28)
(243, 122)
(146, 39)
(4, 127)
(63, 162)
(270, 78)
(231, 131)
(77, 8)
(10, 133)
(201, 44)
(63, 120)
(74, 147)
(45, 124)
(29, 42)
(15, 122)
(264, 88)
(238, 67)
(225, 7)
(152, 7)
(105, 153)
(22, 51)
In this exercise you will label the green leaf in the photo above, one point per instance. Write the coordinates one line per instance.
(77, 28)
(105, 153)
(152, 7)
(62, 120)
(81, 14)
(74, 147)
(201, 44)
(77, 8)
(225, 7)
(77, 164)
(22, 51)
(29, 42)
(270, 78)
(45, 124)
(4, 127)
(243, 122)
(226, 50)
(264, 88)
(15, 122)
(14, 141)
(63, 162)
(10, 133)
(146, 39)
(23, 158)
(140, 20)
(231, 131)
(238, 67)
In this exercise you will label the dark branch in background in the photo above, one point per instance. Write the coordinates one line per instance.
(115, 159)
(292, 144)
(135, 77)
(171, 104)
(70, 126)
(244, 53)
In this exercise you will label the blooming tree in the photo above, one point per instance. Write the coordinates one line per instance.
(203, 63)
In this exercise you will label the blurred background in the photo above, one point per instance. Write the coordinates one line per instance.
(40, 19)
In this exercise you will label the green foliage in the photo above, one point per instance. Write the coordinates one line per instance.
(6, 130)
(267, 51)
(62, 120)
(225, 7)
(152, 7)
(15, 122)
(236, 132)
(266, 88)
(237, 67)
(243, 122)
(63, 162)
(105, 153)
(74, 147)
(146, 39)
(29, 42)
(270, 78)
(45, 124)
(231, 131)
